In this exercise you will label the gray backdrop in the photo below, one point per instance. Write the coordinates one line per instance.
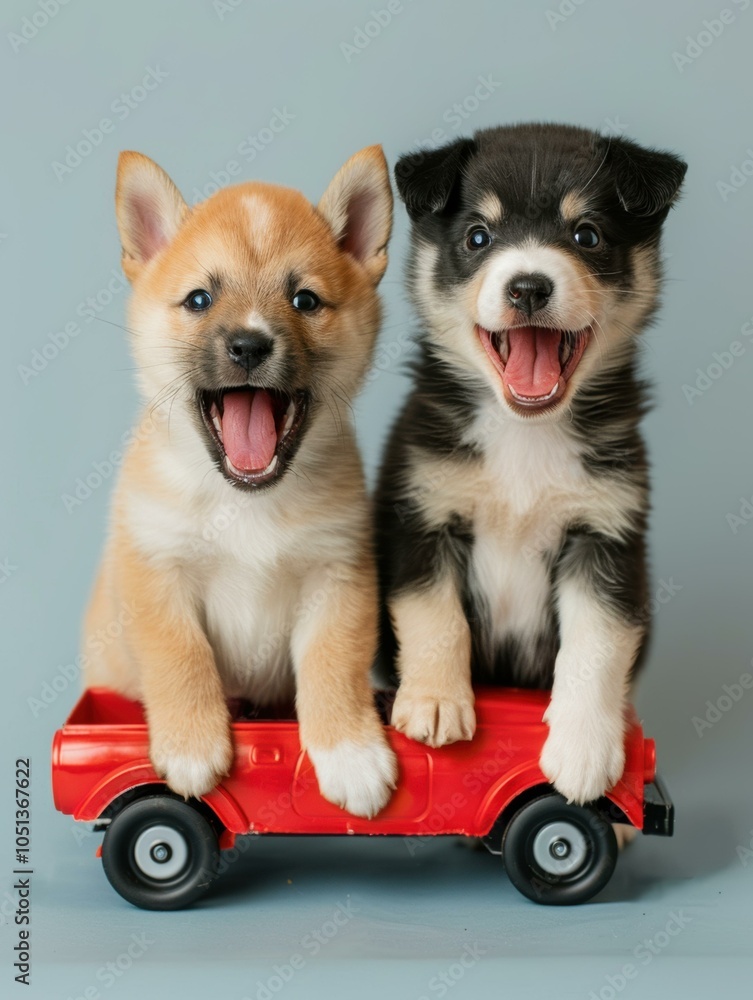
(332, 79)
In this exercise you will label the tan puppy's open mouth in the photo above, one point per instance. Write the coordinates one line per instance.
(534, 363)
(255, 430)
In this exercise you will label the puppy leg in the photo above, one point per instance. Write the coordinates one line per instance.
(584, 754)
(333, 644)
(189, 725)
(434, 702)
(625, 834)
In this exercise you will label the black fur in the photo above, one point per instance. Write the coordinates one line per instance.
(530, 168)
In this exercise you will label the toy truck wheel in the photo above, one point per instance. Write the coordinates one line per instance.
(160, 853)
(558, 854)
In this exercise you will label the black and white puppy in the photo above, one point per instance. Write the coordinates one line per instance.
(513, 497)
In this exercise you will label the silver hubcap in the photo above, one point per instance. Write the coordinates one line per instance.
(560, 848)
(161, 852)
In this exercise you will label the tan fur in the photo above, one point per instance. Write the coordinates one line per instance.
(434, 702)
(522, 508)
(238, 593)
(624, 834)
(343, 634)
(573, 206)
(491, 208)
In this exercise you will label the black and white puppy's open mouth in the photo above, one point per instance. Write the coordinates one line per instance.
(534, 362)
(255, 430)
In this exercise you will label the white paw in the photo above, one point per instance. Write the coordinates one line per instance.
(358, 778)
(435, 721)
(196, 771)
(584, 757)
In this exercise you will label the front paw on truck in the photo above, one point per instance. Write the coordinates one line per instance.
(162, 853)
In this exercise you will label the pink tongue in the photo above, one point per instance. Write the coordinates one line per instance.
(533, 364)
(249, 434)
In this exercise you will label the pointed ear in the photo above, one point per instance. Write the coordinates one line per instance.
(149, 210)
(648, 180)
(427, 178)
(358, 207)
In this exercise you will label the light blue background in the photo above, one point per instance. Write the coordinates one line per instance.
(607, 65)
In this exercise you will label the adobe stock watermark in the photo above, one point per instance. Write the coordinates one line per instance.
(247, 151)
(743, 516)
(223, 518)
(453, 117)
(224, 7)
(387, 355)
(364, 35)
(738, 176)
(87, 310)
(662, 596)
(643, 955)
(302, 612)
(102, 471)
(35, 22)
(563, 13)
(111, 972)
(722, 705)
(443, 645)
(745, 852)
(616, 648)
(440, 984)
(607, 652)
(7, 569)
(309, 947)
(721, 363)
(711, 29)
(474, 781)
(121, 108)
(68, 674)
(613, 649)
(462, 110)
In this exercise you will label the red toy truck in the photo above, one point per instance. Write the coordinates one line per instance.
(161, 852)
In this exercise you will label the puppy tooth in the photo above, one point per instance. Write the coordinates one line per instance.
(240, 472)
(504, 347)
(289, 417)
(214, 416)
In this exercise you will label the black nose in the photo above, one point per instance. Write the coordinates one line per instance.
(249, 348)
(529, 292)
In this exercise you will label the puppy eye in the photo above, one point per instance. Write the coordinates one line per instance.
(586, 237)
(478, 238)
(198, 300)
(305, 300)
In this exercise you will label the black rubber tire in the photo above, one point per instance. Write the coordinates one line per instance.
(543, 886)
(133, 884)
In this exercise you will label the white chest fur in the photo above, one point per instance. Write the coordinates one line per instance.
(240, 560)
(532, 486)
(249, 619)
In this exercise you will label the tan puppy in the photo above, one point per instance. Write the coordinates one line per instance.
(240, 527)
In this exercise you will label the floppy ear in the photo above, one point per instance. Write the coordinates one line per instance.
(358, 207)
(149, 210)
(425, 179)
(648, 180)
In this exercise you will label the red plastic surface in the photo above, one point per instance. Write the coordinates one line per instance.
(102, 751)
